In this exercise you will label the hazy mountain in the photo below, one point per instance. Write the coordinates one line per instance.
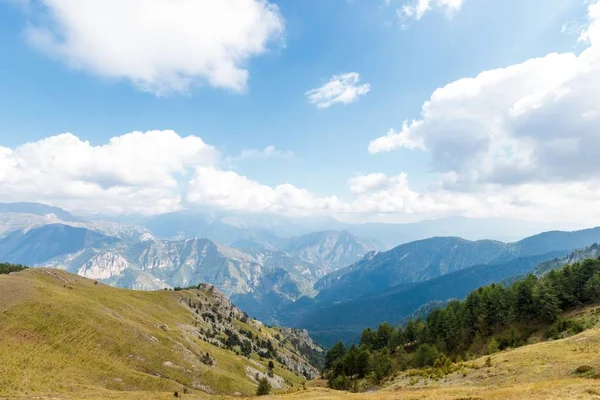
(49, 241)
(327, 321)
(188, 224)
(502, 229)
(232, 227)
(329, 250)
(427, 259)
(262, 279)
(36, 209)
(579, 255)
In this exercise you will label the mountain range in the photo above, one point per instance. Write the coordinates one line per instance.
(393, 285)
(331, 282)
(256, 276)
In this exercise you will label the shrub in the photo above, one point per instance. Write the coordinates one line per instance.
(264, 387)
(582, 369)
(425, 355)
(493, 346)
(340, 382)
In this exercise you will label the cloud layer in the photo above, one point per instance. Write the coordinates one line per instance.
(135, 172)
(340, 89)
(161, 46)
(534, 122)
(160, 171)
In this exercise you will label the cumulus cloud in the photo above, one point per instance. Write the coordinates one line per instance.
(343, 89)
(418, 8)
(161, 46)
(365, 183)
(534, 123)
(229, 190)
(135, 172)
(160, 171)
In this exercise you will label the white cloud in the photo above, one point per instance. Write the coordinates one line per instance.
(160, 171)
(365, 183)
(161, 46)
(530, 123)
(267, 152)
(229, 190)
(344, 89)
(418, 8)
(135, 172)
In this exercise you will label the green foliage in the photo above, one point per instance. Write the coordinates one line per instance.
(6, 268)
(337, 352)
(264, 387)
(592, 288)
(425, 355)
(246, 348)
(502, 314)
(562, 326)
(382, 365)
(493, 346)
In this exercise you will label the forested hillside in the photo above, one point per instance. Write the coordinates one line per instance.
(490, 319)
(345, 320)
(430, 258)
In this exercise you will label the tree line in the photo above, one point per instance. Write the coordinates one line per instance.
(501, 316)
(6, 268)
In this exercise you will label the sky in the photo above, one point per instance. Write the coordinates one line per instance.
(362, 110)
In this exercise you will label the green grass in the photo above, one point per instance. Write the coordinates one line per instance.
(60, 333)
(63, 336)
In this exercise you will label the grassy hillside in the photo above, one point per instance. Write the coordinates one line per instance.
(543, 371)
(64, 335)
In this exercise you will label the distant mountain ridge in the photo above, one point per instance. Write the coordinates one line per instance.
(589, 252)
(329, 320)
(257, 279)
(36, 209)
(427, 259)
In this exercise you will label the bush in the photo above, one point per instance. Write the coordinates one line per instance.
(582, 369)
(493, 346)
(562, 325)
(425, 355)
(340, 382)
(264, 387)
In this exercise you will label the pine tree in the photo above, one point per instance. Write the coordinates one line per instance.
(546, 301)
(337, 352)
(264, 387)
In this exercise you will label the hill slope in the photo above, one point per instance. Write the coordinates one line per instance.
(345, 321)
(71, 334)
(592, 251)
(430, 258)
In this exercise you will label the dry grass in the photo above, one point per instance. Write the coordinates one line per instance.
(62, 335)
(85, 352)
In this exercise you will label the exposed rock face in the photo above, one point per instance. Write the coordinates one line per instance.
(329, 249)
(259, 277)
(292, 348)
(592, 251)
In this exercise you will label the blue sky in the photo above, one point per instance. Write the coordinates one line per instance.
(403, 62)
